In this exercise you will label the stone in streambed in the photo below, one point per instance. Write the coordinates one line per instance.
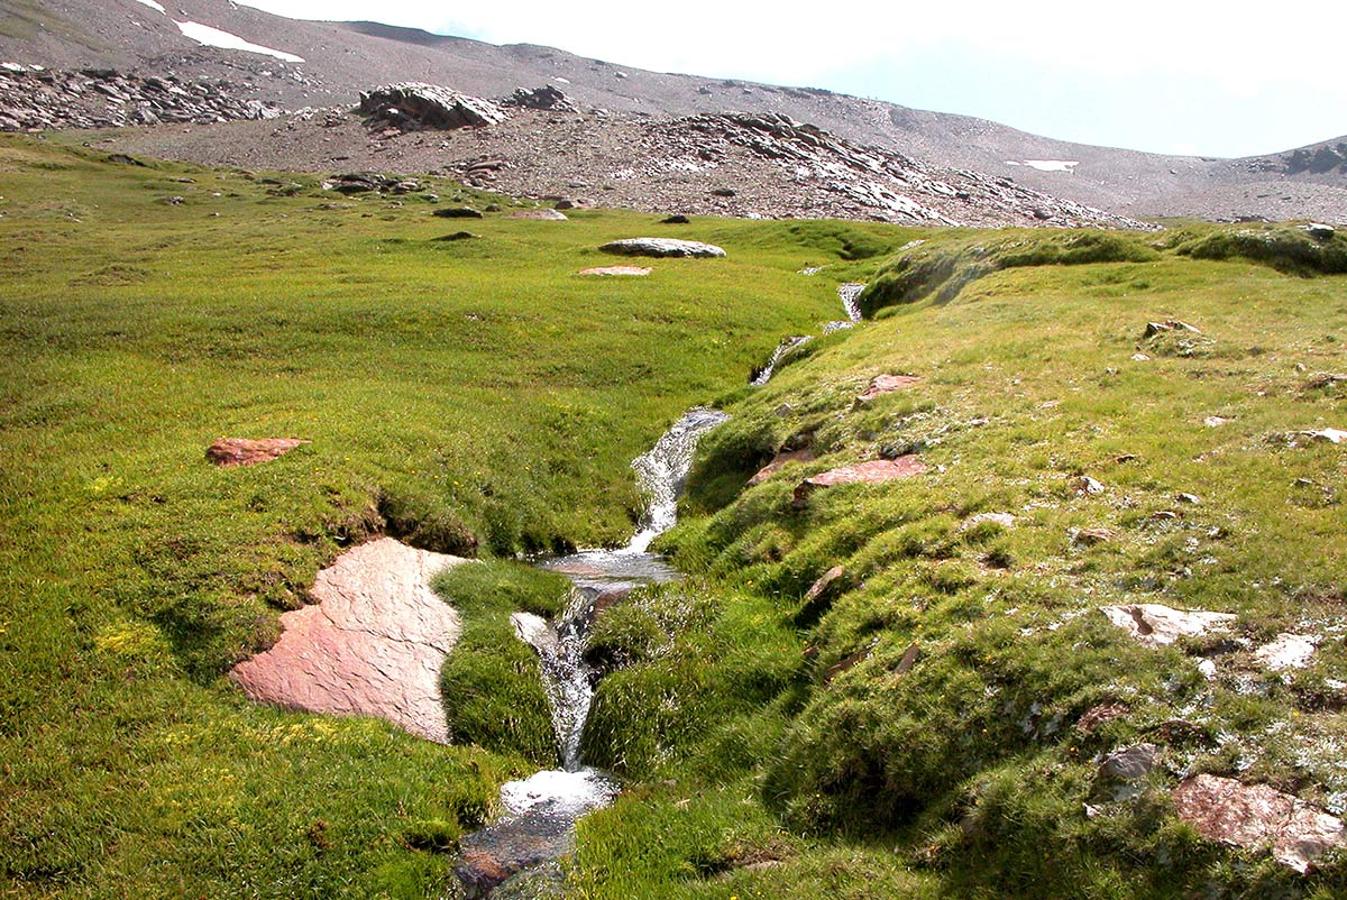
(372, 645)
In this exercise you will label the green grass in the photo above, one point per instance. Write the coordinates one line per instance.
(477, 396)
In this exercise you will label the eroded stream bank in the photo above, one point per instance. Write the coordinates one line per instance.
(538, 824)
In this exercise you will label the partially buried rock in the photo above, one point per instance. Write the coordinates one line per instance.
(458, 236)
(802, 455)
(1256, 817)
(544, 215)
(886, 384)
(457, 212)
(372, 645)
(228, 452)
(1156, 625)
(618, 271)
(675, 219)
(1288, 651)
(1129, 763)
(876, 471)
(661, 247)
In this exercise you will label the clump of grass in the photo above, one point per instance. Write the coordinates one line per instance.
(1286, 248)
(493, 692)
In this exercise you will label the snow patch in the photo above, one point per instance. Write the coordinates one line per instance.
(152, 5)
(1052, 165)
(214, 37)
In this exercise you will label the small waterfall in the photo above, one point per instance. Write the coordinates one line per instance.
(850, 293)
(764, 375)
(541, 810)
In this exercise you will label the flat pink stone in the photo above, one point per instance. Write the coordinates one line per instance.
(371, 645)
(886, 384)
(876, 471)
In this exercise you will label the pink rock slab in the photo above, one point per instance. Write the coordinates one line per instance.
(372, 645)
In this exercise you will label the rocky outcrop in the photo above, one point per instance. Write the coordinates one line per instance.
(412, 106)
(661, 247)
(1258, 817)
(371, 645)
(546, 97)
(371, 183)
(1156, 625)
(229, 452)
(103, 98)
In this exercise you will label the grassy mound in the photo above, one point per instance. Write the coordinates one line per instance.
(493, 695)
(1287, 248)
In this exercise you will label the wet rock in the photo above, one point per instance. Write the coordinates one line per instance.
(618, 271)
(457, 212)
(802, 455)
(1288, 651)
(1155, 625)
(542, 215)
(877, 471)
(229, 452)
(1129, 763)
(1258, 817)
(414, 105)
(886, 384)
(372, 643)
(661, 247)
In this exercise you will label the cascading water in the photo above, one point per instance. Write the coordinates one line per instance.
(541, 810)
(782, 350)
(850, 294)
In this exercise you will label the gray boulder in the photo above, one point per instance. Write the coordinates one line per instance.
(412, 105)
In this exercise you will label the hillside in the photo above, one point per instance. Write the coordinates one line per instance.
(340, 60)
(1030, 583)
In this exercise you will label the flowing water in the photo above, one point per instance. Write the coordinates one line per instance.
(541, 810)
(782, 350)
(850, 293)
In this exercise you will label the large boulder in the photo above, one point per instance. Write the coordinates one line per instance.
(413, 105)
(546, 97)
(371, 645)
(1256, 816)
(648, 246)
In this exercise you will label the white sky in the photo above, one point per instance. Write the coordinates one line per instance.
(1182, 76)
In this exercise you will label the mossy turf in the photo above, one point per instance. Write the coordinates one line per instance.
(930, 706)
(917, 730)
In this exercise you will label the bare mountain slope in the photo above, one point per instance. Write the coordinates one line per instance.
(340, 59)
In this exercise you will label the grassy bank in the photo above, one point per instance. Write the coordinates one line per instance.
(929, 725)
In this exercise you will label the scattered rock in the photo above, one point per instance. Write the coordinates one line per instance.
(634, 271)
(1321, 380)
(1215, 421)
(457, 212)
(1140, 357)
(877, 471)
(1155, 625)
(1190, 499)
(722, 192)
(1098, 715)
(661, 247)
(543, 215)
(1129, 763)
(1005, 520)
(1288, 651)
(1257, 816)
(413, 105)
(886, 384)
(372, 644)
(567, 203)
(229, 452)
(802, 455)
(1091, 537)
(821, 585)
(1088, 486)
